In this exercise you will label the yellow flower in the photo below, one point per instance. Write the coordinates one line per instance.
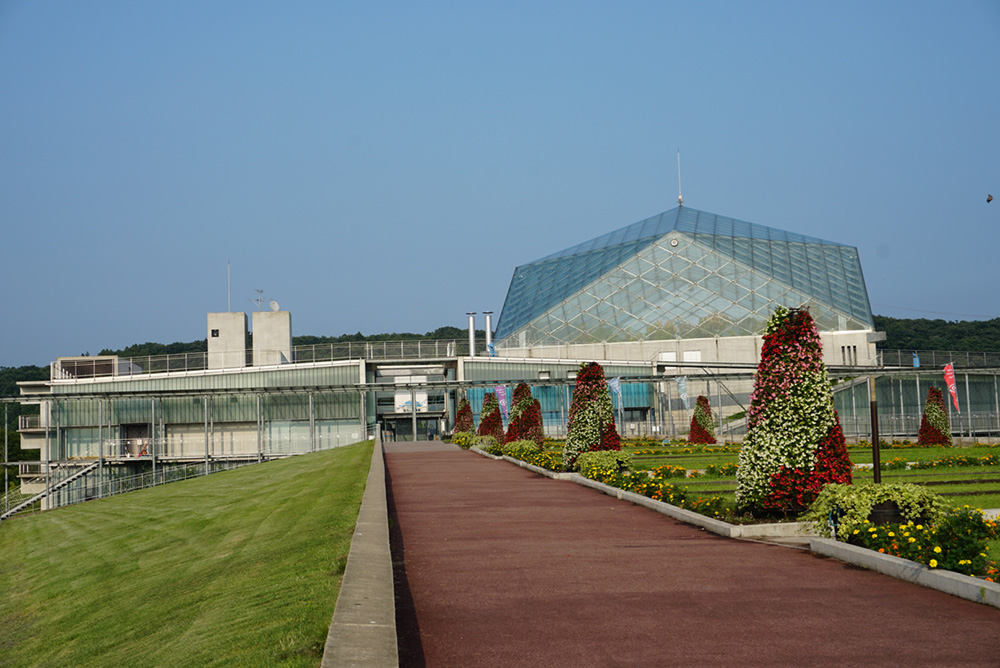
(933, 563)
(912, 539)
(938, 550)
(920, 526)
(891, 534)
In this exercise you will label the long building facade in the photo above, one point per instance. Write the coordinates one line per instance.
(674, 306)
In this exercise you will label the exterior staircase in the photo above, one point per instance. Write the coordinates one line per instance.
(52, 488)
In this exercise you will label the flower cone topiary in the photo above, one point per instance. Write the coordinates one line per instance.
(794, 444)
(591, 416)
(490, 421)
(934, 427)
(525, 421)
(702, 426)
(463, 420)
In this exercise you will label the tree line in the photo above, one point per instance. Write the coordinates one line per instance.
(978, 336)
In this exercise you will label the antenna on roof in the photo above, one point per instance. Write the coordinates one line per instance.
(260, 298)
(680, 198)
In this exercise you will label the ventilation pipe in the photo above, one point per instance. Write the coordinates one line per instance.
(472, 333)
(489, 330)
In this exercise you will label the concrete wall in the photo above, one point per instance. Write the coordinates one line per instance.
(227, 340)
(839, 348)
(272, 338)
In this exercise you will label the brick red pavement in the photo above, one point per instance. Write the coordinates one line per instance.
(497, 566)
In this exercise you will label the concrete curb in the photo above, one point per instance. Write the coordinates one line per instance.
(956, 584)
(748, 531)
(556, 475)
(363, 630)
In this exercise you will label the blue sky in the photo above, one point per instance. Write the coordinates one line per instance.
(384, 166)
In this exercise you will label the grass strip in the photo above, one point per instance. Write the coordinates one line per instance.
(240, 568)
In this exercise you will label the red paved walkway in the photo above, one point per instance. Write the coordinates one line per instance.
(507, 568)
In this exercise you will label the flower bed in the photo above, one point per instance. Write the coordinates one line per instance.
(957, 542)
(656, 487)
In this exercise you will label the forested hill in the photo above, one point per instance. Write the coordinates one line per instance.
(921, 334)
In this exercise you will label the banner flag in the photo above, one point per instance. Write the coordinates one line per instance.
(682, 389)
(616, 386)
(501, 391)
(949, 378)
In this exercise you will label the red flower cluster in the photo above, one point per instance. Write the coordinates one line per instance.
(610, 440)
(795, 489)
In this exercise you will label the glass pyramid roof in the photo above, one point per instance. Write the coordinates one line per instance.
(667, 275)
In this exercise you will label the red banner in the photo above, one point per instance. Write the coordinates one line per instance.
(949, 378)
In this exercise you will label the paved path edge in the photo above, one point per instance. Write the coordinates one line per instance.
(956, 584)
(363, 629)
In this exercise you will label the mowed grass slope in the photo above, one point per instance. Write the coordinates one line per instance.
(240, 568)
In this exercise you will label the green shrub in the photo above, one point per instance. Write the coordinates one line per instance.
(848, 506)
(488, 444)
(546, 460)
(464, 439)
(519, 449)
(611, 461)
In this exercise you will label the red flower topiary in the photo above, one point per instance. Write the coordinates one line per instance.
(463, 420)
(591, 416)
(702, 427)
(490, 421)
(934, 427)
(525, 422)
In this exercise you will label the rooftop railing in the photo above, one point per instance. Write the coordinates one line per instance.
(938, 358)
(78, 368)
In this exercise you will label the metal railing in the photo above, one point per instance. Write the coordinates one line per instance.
(29, 422)
(938, 358)
(320, 352)
(70, 483)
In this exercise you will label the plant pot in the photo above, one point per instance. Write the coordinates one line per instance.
(886, 512)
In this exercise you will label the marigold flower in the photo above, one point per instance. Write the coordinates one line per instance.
(933, 563)
(937, 549)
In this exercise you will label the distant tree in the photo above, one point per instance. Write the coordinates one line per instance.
(702, 426)
(150, 349)
(591, 416)
(924, 334)
(934, 427)
(463, 419)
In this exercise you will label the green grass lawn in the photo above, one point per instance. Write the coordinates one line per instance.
(240, 568)
(959, 492)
